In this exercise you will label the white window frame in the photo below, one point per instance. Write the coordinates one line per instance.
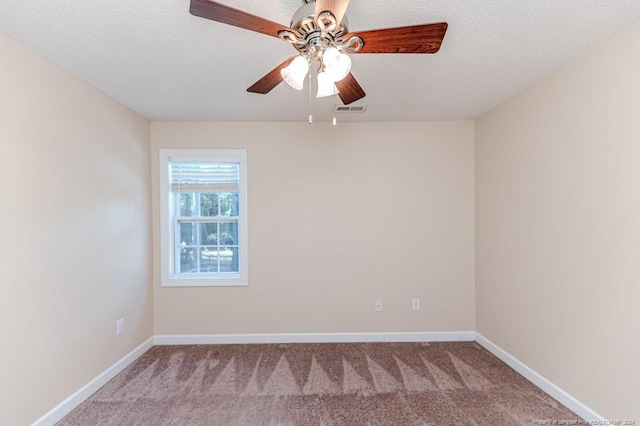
(168, 276)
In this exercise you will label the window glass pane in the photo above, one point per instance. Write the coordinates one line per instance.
(187, 203)
(208, 234)
(187, 234)
(208, 259)
(228, 233)
(209, 204)
(188, 262)
(229, 259)
(229, 204)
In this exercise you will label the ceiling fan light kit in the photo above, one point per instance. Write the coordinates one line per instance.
(295, 72)
(326, 85)
(319, 32)
(334, 66)
(337, 64)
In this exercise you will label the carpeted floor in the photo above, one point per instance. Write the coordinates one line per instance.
(396, 384)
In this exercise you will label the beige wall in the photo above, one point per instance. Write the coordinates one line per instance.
(337, 218)
(558, 227)
(75, 252)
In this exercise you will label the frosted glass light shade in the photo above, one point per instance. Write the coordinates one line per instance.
(295, 72)
(337, 64)
(326, 85)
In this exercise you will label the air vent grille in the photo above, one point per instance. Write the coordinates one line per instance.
(351, 108)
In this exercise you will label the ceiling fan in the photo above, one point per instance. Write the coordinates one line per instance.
(319, 32)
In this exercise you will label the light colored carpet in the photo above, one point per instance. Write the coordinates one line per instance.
(393, 384)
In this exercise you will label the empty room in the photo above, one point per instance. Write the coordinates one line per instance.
(320, 212)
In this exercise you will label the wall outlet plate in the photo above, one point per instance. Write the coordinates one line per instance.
(415, 304)
(377, 305)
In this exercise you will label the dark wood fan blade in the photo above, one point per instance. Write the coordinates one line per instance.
(228, 15)
(350, 90)
(271, 80)
(414, 39)
(336, 7)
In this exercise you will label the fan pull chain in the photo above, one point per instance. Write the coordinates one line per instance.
(334, 121)
(310, 94)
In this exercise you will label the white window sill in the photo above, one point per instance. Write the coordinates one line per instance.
(203, 282)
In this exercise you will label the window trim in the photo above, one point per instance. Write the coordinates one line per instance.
(168, 277)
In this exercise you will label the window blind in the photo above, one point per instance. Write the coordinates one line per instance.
(204, 177)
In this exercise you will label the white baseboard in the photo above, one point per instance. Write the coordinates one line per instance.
(66, 406)
(204, 339)
(554, 391)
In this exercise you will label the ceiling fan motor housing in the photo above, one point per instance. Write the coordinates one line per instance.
(313, 38)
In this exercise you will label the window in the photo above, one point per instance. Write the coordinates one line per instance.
(203, 217)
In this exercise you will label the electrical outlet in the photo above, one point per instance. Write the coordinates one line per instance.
(378, 305)
(120, 326)
(415, 304)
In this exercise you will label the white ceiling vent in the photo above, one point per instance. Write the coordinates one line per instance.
(352, 108)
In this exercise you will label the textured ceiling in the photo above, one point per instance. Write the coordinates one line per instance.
(166, 64)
